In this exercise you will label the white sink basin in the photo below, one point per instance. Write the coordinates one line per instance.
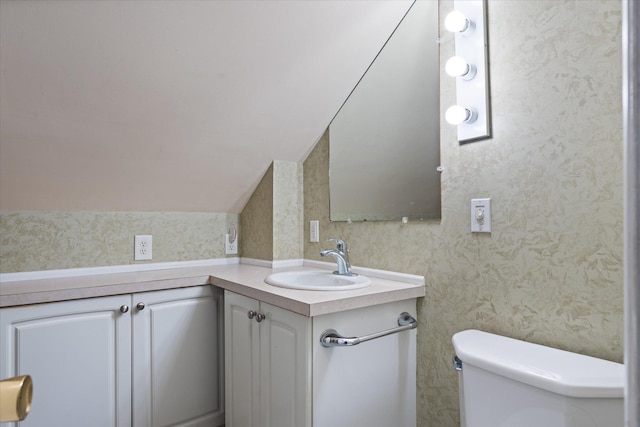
(317, 281)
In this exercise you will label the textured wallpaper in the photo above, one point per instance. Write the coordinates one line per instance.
(49, 240)
(287, 210)
(272, 219)
(551, 270)
(257, 221)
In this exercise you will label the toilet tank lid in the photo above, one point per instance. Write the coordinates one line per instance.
(551, 369)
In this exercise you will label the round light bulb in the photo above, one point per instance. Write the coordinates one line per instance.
(456, 115)
(456, 22)
(456, 67)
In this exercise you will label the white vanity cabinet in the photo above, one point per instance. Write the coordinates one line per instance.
(146, 359)
(267, 365)
(278, 374)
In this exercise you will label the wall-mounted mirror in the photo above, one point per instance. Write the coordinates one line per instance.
(384, 143)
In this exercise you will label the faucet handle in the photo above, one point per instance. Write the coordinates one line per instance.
(341, 245)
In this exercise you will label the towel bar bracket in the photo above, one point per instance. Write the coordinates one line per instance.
(331, 337)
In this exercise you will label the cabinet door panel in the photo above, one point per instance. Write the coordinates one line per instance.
(371, 384)
(242, 388)
(285, 368)
(177, 338)
(78, 355)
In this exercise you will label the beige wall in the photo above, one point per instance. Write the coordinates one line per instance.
(551, 270)
(272, 219)
(287, 210)
(257, 221)
(50, 240)
(161, 105)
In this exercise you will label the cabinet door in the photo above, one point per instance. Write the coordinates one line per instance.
(177, 338)
(78, 354)
(285, 368)
(371, 384)
(241, 351)
(268, 365)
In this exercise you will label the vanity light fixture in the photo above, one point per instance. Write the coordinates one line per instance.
(470, 67)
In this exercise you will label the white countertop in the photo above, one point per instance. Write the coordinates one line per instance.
(244, 279)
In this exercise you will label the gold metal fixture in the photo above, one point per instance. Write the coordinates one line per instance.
(15, 398)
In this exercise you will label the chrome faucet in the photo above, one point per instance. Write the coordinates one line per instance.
(341, 255)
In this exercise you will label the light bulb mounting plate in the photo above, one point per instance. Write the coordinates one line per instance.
(472, 87)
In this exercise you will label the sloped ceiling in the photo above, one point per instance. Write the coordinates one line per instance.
(171, 105)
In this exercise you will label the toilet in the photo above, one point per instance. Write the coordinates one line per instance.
(504, 382)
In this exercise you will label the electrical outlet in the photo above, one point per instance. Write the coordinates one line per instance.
(142, 247)
(231, 248)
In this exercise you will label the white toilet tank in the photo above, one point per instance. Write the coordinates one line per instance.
(511, 383)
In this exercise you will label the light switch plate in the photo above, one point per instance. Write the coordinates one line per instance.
(481, 215)
(314, 231)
